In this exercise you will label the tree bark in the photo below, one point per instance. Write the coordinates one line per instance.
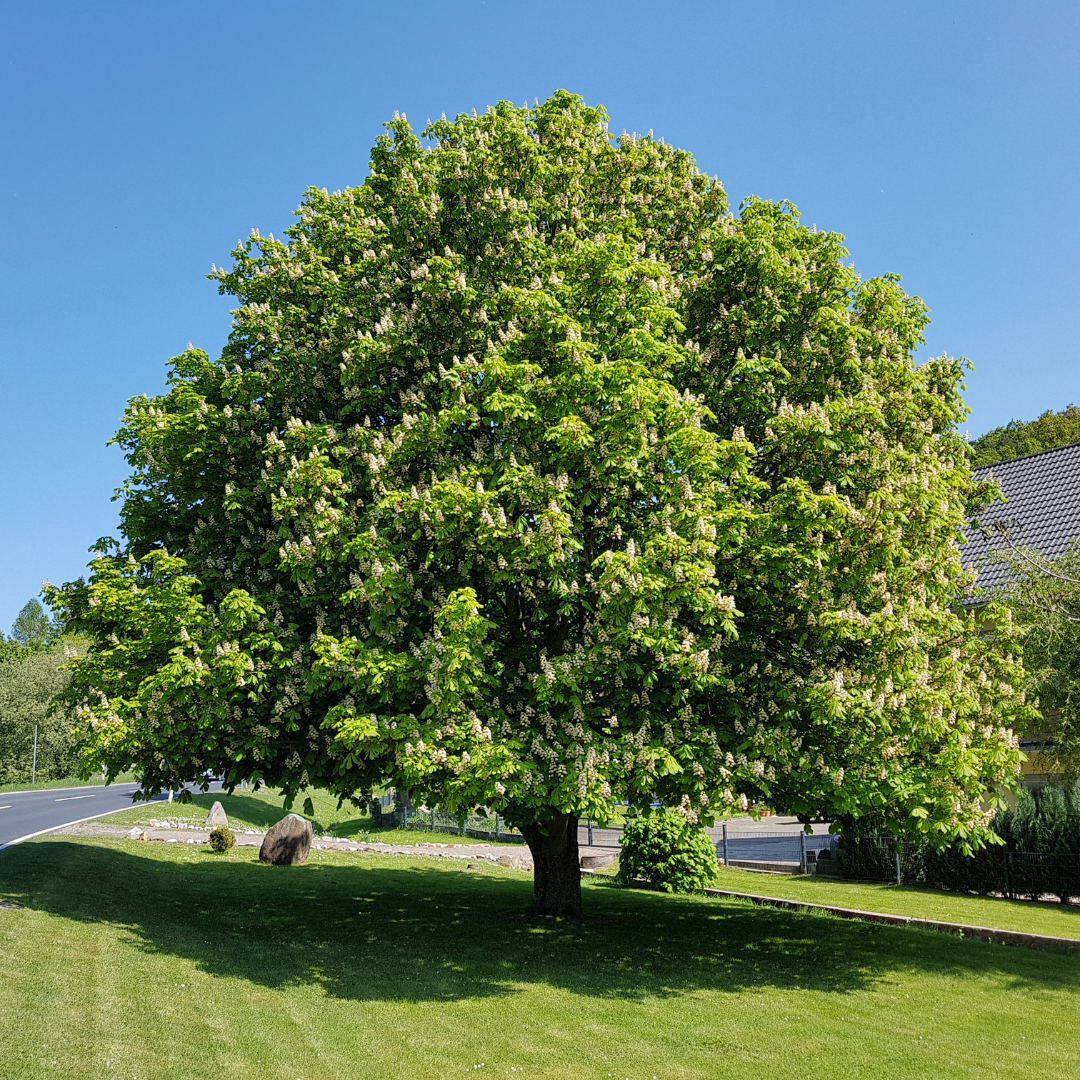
(556, 870)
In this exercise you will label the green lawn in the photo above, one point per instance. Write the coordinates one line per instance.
(1058, 920)
(261, 809)
(153, 961)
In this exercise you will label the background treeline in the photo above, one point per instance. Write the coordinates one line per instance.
(1039, 856)
(1020, 437)
(32, 663)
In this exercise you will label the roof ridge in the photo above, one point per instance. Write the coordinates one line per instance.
(1022, 457)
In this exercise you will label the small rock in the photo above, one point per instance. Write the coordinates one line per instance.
(10, 905)
(217, 815)
(515, 862)
(287, 843)
(591, 862)
(136, 834)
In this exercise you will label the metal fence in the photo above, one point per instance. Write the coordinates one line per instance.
(421, 819)
(783, 847)
(791, 848)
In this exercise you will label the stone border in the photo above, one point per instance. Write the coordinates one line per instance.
(983, 933)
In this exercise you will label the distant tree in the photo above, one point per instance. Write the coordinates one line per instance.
(1020, 437)
(534, 477)
(1044, 598)
(29, 680)
(33, 628)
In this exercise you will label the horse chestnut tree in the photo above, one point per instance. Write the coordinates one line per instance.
(532, 476)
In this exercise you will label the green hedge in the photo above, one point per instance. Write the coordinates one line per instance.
(1039, 854)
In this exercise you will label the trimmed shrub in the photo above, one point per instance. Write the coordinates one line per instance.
(221, 839)
(667, 852)
(866, 858)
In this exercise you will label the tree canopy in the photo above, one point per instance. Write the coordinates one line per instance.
(1043, 596)
(1020, 437)
(33, 629)
(29, 680)
(533, 476)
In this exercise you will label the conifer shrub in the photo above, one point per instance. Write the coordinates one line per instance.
(221, 839)
(665, 850)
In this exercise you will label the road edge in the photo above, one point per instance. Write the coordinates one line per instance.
(63, 825)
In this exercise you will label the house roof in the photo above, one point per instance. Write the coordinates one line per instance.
(1042, 511)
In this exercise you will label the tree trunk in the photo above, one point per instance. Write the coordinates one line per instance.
(556, 870)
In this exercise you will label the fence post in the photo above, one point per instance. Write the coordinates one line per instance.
(1008, 891)
(33, 767)
(496, 827)
(898, 877)
(590, 830)
(725, 842)
(404, 813)
(802, 852)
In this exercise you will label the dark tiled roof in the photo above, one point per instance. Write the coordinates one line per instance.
(1043, 509)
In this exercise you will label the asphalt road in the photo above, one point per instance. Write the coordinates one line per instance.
(25, 814)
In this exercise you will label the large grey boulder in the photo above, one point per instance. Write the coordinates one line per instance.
(217, 815)
(287, 843)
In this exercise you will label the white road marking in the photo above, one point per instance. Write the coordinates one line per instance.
(78, 821)
(69, 798)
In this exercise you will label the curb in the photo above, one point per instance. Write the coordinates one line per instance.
(983, 933)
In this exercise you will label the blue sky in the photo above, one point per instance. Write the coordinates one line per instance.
(141, 140)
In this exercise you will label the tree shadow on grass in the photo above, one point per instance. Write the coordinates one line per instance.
(375, 931)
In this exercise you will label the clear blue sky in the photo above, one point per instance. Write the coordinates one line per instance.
(139, 141)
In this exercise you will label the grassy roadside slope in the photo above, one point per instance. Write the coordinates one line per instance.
(136, 960)
(261, 809)
(1057, 920)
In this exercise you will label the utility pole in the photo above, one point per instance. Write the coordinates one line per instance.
(33, 767)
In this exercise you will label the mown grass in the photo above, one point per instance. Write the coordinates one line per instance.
(143, 960)
(261, 809)
(1057, 920)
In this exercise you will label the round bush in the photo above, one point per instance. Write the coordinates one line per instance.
(671, 855)
(221, 839)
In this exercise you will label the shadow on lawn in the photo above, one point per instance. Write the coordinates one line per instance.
(373, 932)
